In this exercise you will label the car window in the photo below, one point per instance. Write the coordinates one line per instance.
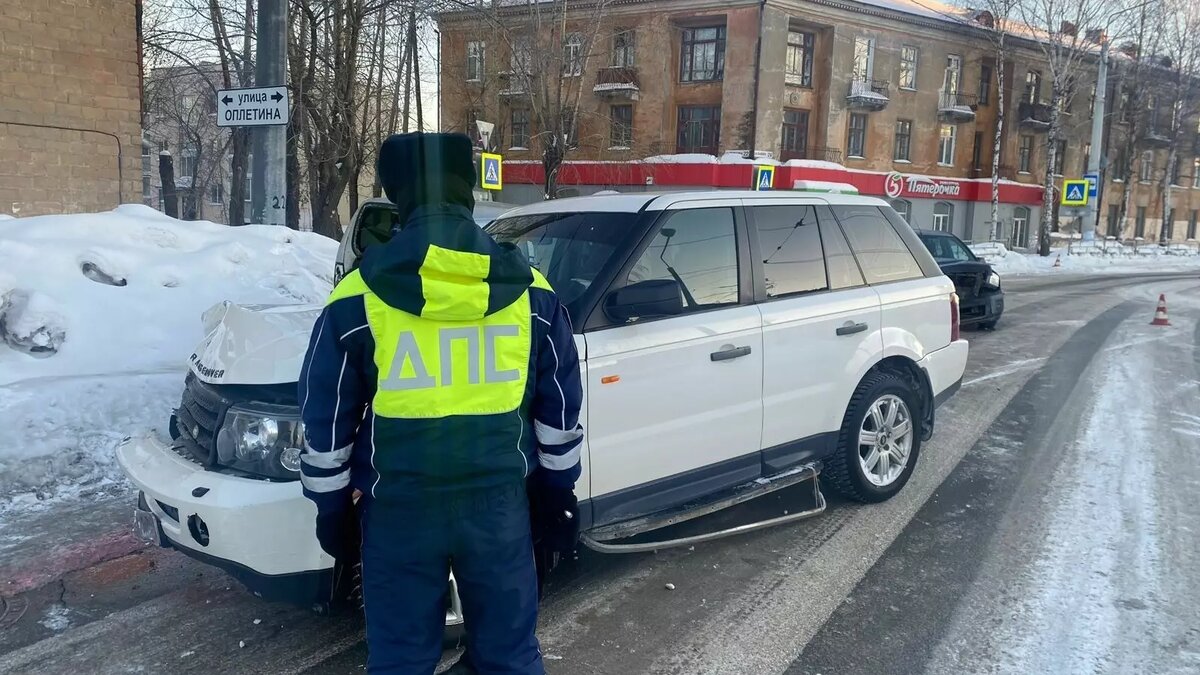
(570, 249)
(946, 248)
(698, 249)
(839, 261)
(881, 252)
(789, 239)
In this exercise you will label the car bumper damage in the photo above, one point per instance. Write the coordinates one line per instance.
(260, 532)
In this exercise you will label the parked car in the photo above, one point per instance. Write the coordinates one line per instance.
(729, 342)
(980, 298)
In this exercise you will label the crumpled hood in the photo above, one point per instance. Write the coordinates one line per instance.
(253, 344)
(442, 266)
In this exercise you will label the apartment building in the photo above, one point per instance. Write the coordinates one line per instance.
(903, 95)
(70, 91)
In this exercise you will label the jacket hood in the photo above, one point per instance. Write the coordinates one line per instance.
(440, 265)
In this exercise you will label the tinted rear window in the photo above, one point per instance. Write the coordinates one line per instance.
(881, 252)
(790, 242)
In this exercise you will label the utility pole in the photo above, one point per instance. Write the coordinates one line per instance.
(1092, 215)
(268, 181)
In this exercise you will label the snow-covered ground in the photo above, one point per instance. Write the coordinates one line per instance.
(1116, 260)
(98, 314)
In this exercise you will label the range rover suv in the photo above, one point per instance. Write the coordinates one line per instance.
(727, 339)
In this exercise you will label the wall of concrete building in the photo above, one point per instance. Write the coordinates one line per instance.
(72, 65)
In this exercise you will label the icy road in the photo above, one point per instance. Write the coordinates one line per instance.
(1052, 526)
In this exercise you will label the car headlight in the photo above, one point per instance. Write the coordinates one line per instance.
(262, 439)
(993, 280)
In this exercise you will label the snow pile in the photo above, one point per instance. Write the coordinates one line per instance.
(814, 164)
(1073, 262)
(685, 158)
(825, 186)
(98, 314)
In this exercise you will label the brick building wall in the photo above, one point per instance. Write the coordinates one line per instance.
(73, 64)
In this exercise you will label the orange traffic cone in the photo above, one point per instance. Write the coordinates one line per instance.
(1160, 314)
(1058, 260)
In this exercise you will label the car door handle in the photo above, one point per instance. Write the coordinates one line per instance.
(850, 328)
(726, 354)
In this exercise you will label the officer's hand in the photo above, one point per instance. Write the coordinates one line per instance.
(557, 518)
(336, 531)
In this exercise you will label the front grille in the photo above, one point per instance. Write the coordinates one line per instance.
(198, 418)
(967, 284)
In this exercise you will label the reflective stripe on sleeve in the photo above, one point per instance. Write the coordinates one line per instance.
(326, 460)
(548, 435)
(326, 484)
(561, 462)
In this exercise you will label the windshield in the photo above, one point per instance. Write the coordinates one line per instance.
(570, 249)
(945, 248)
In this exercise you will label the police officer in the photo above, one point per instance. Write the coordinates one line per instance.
(441, 375)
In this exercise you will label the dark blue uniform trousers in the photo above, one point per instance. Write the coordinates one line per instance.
(408, 551)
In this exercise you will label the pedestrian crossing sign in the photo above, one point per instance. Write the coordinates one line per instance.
(491, 172)
(764, 177)
(1075, 193)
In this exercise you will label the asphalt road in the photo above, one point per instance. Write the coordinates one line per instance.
(1050, 527)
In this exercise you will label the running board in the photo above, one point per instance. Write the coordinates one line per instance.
(598, 539)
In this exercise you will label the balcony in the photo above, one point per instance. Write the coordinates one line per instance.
(1034, 116)
(816, 153)
(1156, 136)
(617, 82)
(956, 107)
(868, 94)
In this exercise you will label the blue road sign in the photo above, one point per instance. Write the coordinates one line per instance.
(491, 173)
(1075, 193)
(1093, 184)
(764, 177)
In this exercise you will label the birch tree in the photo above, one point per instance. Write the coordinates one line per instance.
(1060, 27)
(1180, 32)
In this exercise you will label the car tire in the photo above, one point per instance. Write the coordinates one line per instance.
(870, 407)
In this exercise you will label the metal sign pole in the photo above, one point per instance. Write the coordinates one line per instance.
(268, 184)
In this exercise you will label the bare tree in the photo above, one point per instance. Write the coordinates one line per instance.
(1061, 27)
(1180, 59)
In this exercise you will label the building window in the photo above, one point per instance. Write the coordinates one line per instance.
(475, 54)
(864, 59)
(573, 55)
(798, 66)
(904, 208)
(187, 163)
(519, 128)
(985, 84)
(977, 152)
(1168, 228)
(1192, 224)
(1020, 231)
(1196, 173)
(1087, 156)
(1060, 155)
(795, 134)
(1176, 173)
(1033, 87)
(703, 56)
(1025, 154)
(856, 140)
(519, 61)
(952, 82)
(1114, 220)
(216, 193)
(908, 67)
(621, 130)
(946, 144)
(1146, 168)
(570, 127)
(623, 51)
(1140, 223)
(903, 143)
(699, 129)
(943, 217)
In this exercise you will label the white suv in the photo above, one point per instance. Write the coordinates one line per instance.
(727, 339)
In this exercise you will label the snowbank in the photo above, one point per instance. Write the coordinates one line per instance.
(1116, 259)
(825, 186)
(98, 314)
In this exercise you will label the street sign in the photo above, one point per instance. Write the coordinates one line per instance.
(255, 107)
(1075, 193)
(491, 171)
(1093, 184)
(764, 177)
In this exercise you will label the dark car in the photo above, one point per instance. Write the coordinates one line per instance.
(980, 298)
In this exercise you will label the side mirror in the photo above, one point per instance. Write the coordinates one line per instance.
(645, 299)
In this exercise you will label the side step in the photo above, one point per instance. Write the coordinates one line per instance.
(599, 539)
